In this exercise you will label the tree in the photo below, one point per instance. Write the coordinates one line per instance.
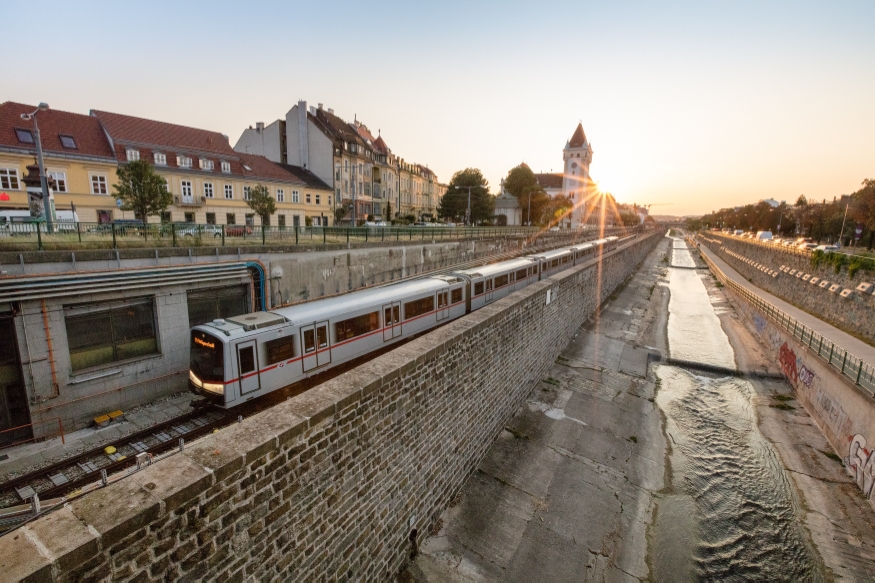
(339, 213)
(454, 204)
(261, 202)
(522, 183)
(141, 189)
(557, 210)
(388, 215)
(863, 208)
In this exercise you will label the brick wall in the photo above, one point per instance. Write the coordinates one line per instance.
(333, 483)
(855, 314)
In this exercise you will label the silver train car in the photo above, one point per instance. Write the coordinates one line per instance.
(237, 359)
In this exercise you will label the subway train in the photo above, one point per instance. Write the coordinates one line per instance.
(239, 358)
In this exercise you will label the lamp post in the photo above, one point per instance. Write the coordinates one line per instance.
(468, 214)
(44, 185)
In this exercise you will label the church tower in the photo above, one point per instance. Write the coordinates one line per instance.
(576, 182)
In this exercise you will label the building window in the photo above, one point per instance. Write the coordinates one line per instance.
(295, 196)
(229, 191)
(308, 198)
(9, 178)
(337, 174)
(230, 219)
(97, 334)
(206, 164)
(98, 184)
(250, 219)
(211, 218)
(280, 195)
(247, 190)
(160, 159)
(68, 142)
(189, 217)
(337, 195)
(296, 220)
(208, 189)
(226, 166)
(60, 180)
(133, 155)
(318, 199)
(281, 220)
(186, 188)
(183, 161)
(206, 305)
(24, 136)
(166, 217)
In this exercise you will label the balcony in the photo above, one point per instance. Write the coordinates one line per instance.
(189, 201)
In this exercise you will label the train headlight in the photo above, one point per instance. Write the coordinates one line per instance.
(194, 380)
(214, 388)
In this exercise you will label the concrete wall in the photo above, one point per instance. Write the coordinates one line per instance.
(265, 142)
(844, 412)
(334, 483)
(854, 314)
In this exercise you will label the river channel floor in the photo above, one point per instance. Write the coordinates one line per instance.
(593, 480)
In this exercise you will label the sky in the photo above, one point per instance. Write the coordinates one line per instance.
(689, 106)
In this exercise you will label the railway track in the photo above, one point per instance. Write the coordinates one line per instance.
(24, 497)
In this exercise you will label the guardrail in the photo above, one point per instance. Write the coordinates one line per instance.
(786, 249)
(73, 236)
(844, 362)
(6, 441)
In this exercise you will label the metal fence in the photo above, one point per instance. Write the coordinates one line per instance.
(72, 236)
(847, 364)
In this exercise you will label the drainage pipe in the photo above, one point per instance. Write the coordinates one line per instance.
(55, 389)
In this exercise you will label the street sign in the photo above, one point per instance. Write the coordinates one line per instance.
(118, 202)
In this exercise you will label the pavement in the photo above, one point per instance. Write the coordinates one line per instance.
(567, 491)
(25, 458)
(854, 345)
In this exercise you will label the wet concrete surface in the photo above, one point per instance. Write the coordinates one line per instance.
(574, 487)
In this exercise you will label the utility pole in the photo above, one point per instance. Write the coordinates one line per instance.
(468, 215)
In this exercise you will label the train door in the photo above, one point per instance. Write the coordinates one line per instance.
(314, 345)
(489, 290)
(443, 304)
(247, 367)
(323, 352)
(391, 320)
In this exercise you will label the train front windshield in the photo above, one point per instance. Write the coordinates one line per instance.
(207, 361)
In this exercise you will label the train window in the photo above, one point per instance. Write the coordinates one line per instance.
(418, 307)
(554, 263)
(396, 312)
(357, 326)
(247, 360)
(279, 349)
(456, 295)
(442, 300)
(565, 259)
(501, 281)
(488, 285)
(521, 274)
(387, 316)
(309, 340)
(478, 288)
(322, 336)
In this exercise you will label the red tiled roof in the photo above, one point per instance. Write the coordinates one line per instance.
(261, 167)
(380, 145)
(579, 138)
(549, 180)
(131, 129)
(85, 130)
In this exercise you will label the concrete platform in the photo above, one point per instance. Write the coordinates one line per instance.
(28, 457)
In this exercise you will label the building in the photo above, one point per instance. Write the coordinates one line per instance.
(77, 156)
(209, 180)
(366, 178)
(508, 206)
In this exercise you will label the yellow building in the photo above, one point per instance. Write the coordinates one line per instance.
(77, 156)
(210, 182)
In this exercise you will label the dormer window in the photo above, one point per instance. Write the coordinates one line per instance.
(68, 142)
(206, 164)
(160, 159)
(24, 136)
(183, 161)
(226, 166)
(133, 155)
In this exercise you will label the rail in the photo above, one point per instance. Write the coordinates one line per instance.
(12, 429)
(862, 374)
(134, 234)
(792, 250)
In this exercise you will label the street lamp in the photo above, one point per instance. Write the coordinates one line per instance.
(44, 185)
(468, 214)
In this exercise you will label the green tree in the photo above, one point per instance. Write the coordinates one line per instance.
(522, 183)
(863, 209)
(261, 202)
(454, 204)
(141, 189)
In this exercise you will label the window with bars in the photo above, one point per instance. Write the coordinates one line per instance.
(98, 335)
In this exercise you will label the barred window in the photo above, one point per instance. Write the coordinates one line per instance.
(280, 349)
(357, 326)
(97, 335)
(418, 307)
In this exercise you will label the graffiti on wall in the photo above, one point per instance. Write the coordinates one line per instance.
(861, 464)
(831, 412)
(787, 359)
(806, 376)
(759, 322)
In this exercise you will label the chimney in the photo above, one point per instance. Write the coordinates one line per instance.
(331, 111)
(312, 110)
(303, 139)
(320, 106)
(259, 126)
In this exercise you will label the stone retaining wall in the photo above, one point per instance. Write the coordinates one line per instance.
(854, 314)
(337, 483)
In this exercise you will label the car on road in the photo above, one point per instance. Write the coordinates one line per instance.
(826, 248)
(807, 246)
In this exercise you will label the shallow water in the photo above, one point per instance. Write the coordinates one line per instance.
(730, 512)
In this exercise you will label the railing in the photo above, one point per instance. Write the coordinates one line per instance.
(793, 250)
(10, 431)
(844, 362)
(131, 234)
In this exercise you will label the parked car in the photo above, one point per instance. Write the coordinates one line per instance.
(236, 230)
(807, 246)
(194, 230)
(826, 248)
(763, 235)
(121, 226)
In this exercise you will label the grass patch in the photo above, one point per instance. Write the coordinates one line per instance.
(831, 455)
(782, 407)
(718, 284)
(784, 398)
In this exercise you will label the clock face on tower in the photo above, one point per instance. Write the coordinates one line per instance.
(574, 164)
